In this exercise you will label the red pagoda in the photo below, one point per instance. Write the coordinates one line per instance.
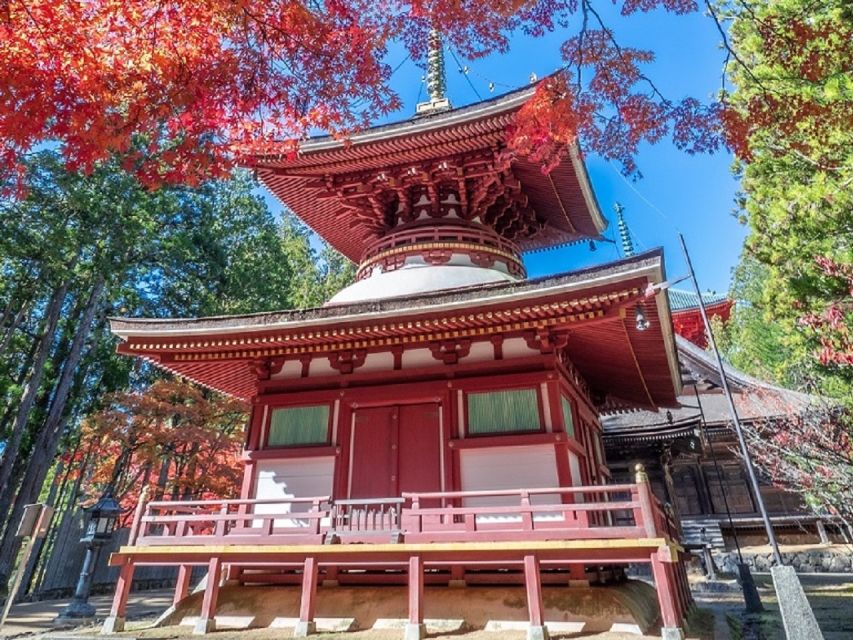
(438, 420)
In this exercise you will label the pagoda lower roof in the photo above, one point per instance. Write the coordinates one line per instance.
(563, 198)
(624, 367)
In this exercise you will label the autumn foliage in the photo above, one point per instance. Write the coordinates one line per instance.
(810, 452)
(182, 90)
(181, 441)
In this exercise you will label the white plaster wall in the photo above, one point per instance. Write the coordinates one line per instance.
(525, 467)
(377, 362)
(414, 358)
(517, 348)
(291, 369)
(292, 478)
(480, 351)
(575, 472)
(320, 367)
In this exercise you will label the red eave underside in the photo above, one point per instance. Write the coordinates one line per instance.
(556, 197)
(609, 352)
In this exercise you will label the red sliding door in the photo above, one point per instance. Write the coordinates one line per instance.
(395, 449)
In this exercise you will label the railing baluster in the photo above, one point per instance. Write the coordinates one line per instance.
(315, 509)
(416, 507)
(526, 513)
(141, 507)
(220, 529)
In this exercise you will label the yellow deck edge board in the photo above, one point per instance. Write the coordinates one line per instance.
(323, 549)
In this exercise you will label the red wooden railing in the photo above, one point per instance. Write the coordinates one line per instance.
(560, 513)
(231, 521)
(450, 233)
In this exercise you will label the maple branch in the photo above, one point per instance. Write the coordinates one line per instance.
(730, 50)
(584, 27)
(619, 50)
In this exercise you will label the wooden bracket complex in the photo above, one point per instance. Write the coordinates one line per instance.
(546, 341)
(347, 361)
(450, 351)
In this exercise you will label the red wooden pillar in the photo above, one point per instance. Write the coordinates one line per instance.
(457, 576)
(115, 622)
(207, 618)
(667, 599)
(416, 629)
(533, 586)
(683, 583)
(182, 584)
(676, 587)
(306, 625)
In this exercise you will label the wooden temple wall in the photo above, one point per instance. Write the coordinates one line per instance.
(385, 433)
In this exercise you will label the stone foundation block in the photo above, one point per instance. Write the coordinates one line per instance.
(414, 631)
(113, 624)
(304, 628)
(203, 626)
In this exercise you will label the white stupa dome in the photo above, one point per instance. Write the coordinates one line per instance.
(415, 279)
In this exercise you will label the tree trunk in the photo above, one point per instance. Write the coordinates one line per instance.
(10, 329)
(51, 432)
(25, 367)
(66, 506)
(28, 397)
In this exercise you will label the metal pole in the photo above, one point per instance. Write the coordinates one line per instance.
(753, 479)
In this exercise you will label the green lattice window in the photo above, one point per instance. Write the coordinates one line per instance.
(299, 426)
(503, 411)
(568, 420)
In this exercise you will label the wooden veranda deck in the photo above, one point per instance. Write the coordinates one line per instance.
(447, 533)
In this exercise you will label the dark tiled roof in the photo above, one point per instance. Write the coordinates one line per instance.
(755, 399)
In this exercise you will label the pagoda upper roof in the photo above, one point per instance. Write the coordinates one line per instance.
(563, 198)
(624, 367)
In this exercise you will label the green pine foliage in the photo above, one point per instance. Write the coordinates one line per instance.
(791, 120)
(101, 244)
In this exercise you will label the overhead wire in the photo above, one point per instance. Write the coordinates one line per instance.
(464, 71)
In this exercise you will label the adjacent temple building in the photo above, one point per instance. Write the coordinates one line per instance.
(439, 421)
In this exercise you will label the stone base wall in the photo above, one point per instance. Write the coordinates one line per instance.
(817, 560)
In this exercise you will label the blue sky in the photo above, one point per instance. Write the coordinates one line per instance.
(693, 194)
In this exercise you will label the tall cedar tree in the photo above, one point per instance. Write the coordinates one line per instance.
(81, 247)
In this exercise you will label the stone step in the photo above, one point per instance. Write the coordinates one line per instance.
(692, 533)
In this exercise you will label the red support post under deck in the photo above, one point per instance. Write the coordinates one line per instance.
(310, 574)
(416, 590)
(667, 597)
(533, 585)
(415, 629)
(115, 622)
(207, 619)
(182, 584)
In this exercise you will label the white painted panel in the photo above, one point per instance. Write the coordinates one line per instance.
(377, 362)
(413, 358)
(292, 478)
(523, 467)
(480, 352)
(517, 348)
(320, 367)
(575, 471)
(291, 369)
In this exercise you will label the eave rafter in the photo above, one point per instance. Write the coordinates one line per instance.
(564, 313)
